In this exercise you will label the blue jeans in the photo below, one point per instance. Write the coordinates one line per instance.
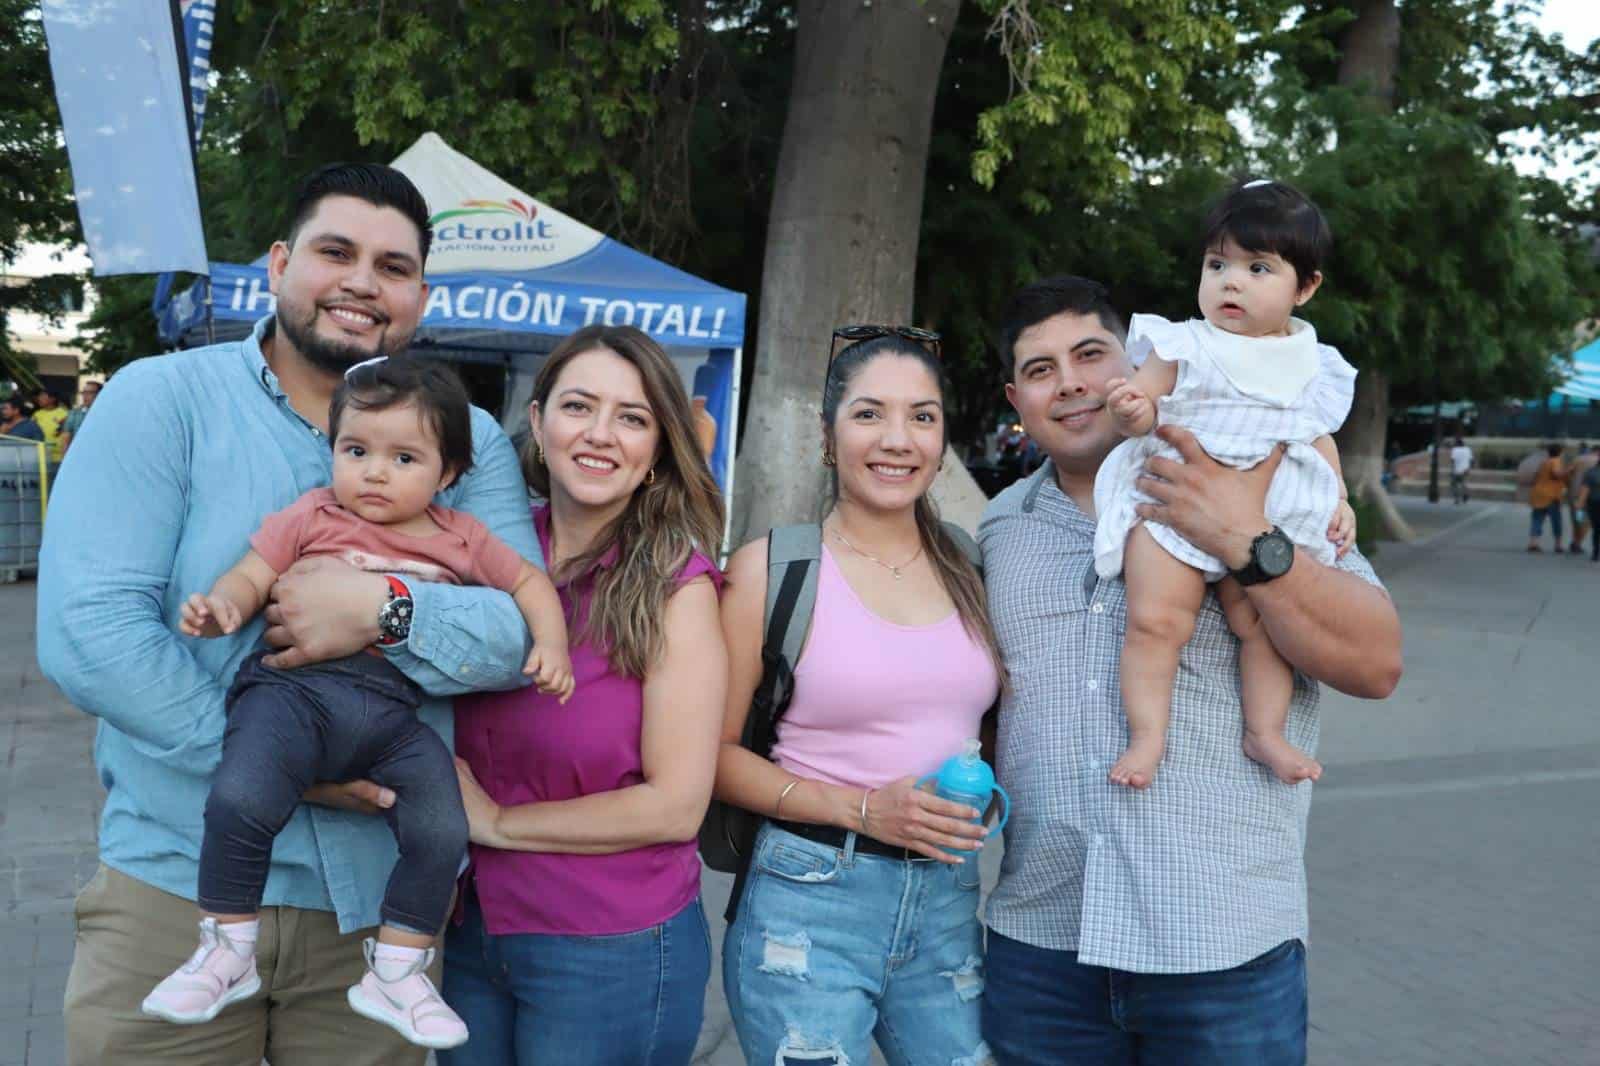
(334, 721)
(832, 948)
(1043, 1008)
(1536, 523)
(633, 999)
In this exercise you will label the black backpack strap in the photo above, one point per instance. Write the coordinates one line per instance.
(792, 556)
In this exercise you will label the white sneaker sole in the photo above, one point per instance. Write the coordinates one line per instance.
(233, 995)
(367, 1009)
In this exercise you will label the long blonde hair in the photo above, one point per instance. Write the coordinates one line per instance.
(678, 513)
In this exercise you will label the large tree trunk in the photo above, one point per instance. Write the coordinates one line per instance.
(1370, 56)
(1362, 440)
(842, 239)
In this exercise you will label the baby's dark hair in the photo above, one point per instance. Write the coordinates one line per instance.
(432, 386)
(1271, 217)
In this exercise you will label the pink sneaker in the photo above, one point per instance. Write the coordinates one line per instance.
(407, 1003)
(220, 972)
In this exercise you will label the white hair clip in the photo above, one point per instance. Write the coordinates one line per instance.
(374, 361)
(1258, 181)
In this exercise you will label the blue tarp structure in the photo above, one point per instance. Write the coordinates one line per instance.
(1585, 380)
(508, 277)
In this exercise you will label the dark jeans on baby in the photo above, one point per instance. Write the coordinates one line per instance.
(335, 721)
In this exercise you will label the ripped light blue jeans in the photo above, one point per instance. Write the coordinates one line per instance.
(832, 949)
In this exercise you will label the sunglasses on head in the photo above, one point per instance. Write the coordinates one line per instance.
(852, 334)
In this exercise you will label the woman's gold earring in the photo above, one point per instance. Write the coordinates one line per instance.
(650, 478)
(827, 457)
(539, 448)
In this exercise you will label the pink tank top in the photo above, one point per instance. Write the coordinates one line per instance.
(875, 701)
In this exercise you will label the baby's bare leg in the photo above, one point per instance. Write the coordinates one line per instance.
(1266, 685)
(1164, 596)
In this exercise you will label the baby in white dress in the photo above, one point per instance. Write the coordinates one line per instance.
(1245, 379)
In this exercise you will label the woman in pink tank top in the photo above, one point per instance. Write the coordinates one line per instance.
(858, 917)
(581, 939)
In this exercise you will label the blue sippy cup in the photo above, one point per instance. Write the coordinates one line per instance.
(967, 779)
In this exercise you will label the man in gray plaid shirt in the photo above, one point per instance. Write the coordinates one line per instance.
(1163, 927)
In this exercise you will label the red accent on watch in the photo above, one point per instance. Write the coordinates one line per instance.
(397, 588)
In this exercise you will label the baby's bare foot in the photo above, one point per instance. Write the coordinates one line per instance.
(1136, 767)
(1289, 763)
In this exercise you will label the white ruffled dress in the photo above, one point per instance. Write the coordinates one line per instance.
(1240, 397)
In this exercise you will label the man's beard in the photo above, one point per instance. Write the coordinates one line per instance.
(333, 356)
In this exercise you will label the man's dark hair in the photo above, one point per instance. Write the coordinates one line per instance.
(375, 183)
(1272, 218)
(1062, 294)
(1553, 450)
(433, 387)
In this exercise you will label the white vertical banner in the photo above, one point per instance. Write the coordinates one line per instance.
(123, 90)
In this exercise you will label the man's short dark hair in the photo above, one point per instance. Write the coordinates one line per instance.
(1062, 294)
(432, 386)
(375, 183)
(1269, 217)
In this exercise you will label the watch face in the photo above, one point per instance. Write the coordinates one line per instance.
(395, 618)
(1275, 554)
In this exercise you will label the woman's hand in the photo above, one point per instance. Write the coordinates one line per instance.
(899, 813)
(483, 813)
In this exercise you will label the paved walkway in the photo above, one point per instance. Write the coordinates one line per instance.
(1454, 850)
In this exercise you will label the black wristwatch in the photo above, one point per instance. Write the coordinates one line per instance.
(394, 617)
(1271, 556)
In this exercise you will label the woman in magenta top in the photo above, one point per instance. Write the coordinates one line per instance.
(858, 918)
(581, 938)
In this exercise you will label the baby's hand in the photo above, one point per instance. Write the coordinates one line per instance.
(207, 616)
(1342, 530)
(1133, 411)
(551, 670)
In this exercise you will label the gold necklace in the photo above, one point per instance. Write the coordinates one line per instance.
(893, 569)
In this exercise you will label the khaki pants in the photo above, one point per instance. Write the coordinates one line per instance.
(131, 935)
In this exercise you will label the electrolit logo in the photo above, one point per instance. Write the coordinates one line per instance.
(493, 226)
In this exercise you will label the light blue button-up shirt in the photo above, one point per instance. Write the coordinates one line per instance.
(158, 497)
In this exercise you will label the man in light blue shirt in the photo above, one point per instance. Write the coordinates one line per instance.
(163, 489)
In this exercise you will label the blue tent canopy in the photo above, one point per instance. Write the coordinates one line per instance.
(504, 268)
(508, 276)
(1585, 380)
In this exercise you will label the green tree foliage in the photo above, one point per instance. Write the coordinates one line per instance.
(1082, 138)
(1453, 272)
(37, 206)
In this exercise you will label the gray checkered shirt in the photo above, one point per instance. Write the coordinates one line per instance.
(1204, 870)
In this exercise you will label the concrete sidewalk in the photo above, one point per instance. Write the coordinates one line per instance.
(1453, 847)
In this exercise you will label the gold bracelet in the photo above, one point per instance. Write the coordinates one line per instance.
(864, 797)
(786, 790)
